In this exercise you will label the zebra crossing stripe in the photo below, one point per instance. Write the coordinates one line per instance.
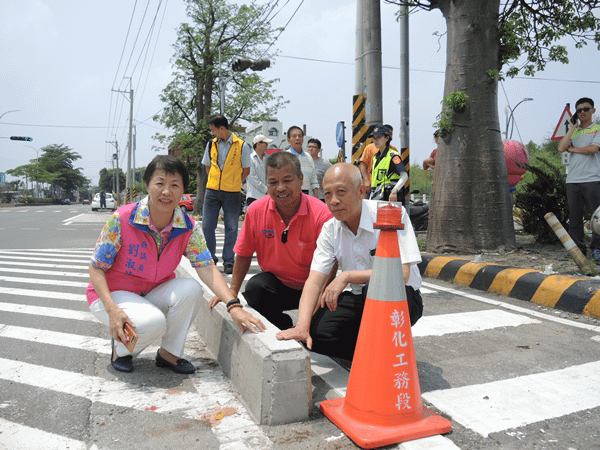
(38, 264)
(68, 340)
(11, 256)
(47, 312)
(502, 405)
(13, 433)
(54, 273)
(213, 391)
(468, 322)
(79, 284)
(43, 294)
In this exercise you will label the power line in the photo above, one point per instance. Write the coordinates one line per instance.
(430, 71)
(283, 29)
(63, 126)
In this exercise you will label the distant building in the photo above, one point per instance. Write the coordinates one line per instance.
(273, 129)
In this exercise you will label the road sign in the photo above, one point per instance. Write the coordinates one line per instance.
(339, 134)
(563, 125)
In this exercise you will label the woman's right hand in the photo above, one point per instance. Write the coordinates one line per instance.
(117, 319)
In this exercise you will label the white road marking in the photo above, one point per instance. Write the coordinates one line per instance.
(37, 264)
(467, 322)
(43, 294)
(10, 256)
(80, 284)
(54, 273)
(515, 308)
(71, 219)
(237, 431)
(67, 340)
(13, 433)
(501, 405)
(47, 312)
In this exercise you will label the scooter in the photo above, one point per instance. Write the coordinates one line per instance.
(419, 213)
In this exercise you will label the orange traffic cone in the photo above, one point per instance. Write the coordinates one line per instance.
(383, 401)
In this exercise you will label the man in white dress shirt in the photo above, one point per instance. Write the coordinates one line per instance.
(256, 181)
(348, 240)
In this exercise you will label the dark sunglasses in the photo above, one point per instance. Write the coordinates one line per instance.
(586, 109)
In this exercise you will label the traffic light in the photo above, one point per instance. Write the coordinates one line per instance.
(21, 138)
(260, 64)
(241, 64)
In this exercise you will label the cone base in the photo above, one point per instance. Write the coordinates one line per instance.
(367, 435)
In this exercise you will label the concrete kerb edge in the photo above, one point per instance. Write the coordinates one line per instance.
(579, 301)
(272, 377)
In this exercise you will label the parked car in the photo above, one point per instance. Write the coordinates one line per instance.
(187, 202)
(86, 201)
(65, 201)
(111, 203)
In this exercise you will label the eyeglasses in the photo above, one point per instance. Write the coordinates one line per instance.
(284, 235)
(586, 109)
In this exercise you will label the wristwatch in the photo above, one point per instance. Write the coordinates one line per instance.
(235, 301)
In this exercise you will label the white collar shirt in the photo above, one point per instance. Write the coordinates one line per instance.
(356, 252)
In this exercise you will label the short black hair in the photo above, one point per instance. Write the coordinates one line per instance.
(584, 100)
(314, 141)
(282, 158)
(294, 127)
(437, 133)
(218, 120)
(169, 164)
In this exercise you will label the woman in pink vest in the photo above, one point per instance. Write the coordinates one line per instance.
(132, 272)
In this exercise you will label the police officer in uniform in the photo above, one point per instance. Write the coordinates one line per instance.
(389, 174)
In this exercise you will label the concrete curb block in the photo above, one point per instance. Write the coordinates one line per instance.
(273, 377)
(578, 295)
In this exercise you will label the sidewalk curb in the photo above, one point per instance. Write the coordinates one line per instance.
(579, 295)
(269, 374)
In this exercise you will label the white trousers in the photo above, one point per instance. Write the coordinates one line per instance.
(168, 310)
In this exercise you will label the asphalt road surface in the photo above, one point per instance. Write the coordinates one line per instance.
(508, 374)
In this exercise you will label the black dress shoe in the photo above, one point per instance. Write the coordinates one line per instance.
(182, 366)
(228, 270)
(122, 363)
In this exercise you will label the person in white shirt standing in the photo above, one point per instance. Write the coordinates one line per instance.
(321, 165)
(256, 181)
(295, 137)
(582, 142)
(348, 240)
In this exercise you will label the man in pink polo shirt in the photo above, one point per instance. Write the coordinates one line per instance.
(282, 228)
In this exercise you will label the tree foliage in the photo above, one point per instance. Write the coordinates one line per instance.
(55, 167)
(544, 191)
(218, 33)
(106, 179)
(471, 209)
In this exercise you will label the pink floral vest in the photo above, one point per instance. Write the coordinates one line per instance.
(137, 267)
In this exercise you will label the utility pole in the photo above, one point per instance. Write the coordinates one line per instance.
(116, 157)
(367, 106)
(404, 99)
(134, 169)
(130, 143)
(372, 62)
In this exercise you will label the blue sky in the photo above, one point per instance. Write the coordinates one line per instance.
(60, 60)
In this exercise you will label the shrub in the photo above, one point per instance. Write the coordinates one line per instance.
(545, 191)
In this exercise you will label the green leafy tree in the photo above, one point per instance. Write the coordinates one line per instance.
(105, 182)
(216, 27)
(55, 167)
(471, 209)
